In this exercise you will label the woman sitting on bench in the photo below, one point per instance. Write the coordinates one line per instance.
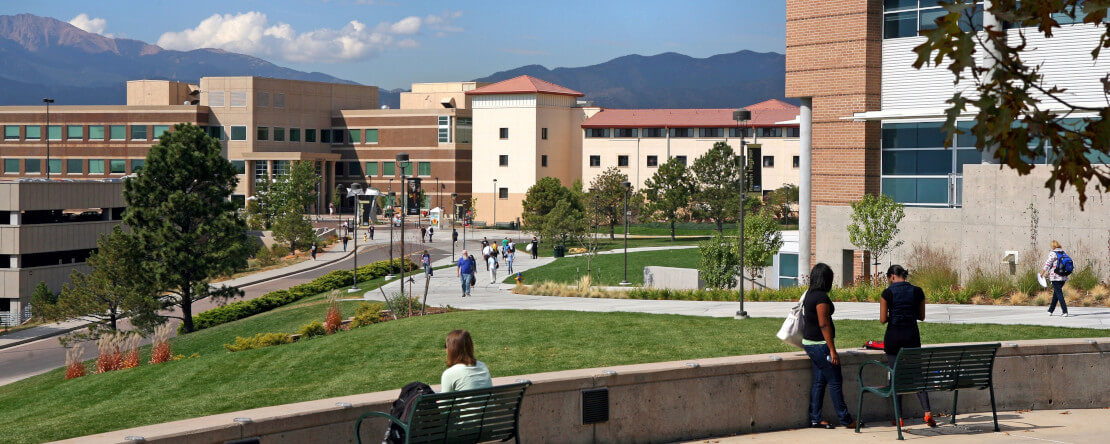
(901, 306)
(464, 372)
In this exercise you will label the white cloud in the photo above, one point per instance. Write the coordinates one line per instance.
(89, 24)
(252, 33)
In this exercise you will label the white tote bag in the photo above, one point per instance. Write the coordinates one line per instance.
(791, 331)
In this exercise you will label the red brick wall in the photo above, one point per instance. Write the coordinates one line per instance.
(834, 56)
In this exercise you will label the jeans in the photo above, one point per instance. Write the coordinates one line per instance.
(922, 397)
(1058, 296)
(428, 270)
(509, 262)
(465, 278)
(826, 374)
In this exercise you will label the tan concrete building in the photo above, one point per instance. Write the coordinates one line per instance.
(637, 141)
(49, 230)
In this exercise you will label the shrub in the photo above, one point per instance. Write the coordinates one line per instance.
(265, 257)
(75, 367)
(279, 250)
(1027, 283)
(311, 330)
(987, 283)
(931, 268)
(1085, 279)
(403, 306)
(131, 357)
(109, 356)
(334, 319)
(258, 341)
(161, 351)
(367, 313)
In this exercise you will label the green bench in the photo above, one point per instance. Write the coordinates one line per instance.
(935, 369)
(468, 416)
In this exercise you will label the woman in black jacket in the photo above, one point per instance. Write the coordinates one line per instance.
(901, 306)
(818, 334)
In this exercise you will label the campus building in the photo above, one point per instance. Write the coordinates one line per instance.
(870, 123)
(48, 230)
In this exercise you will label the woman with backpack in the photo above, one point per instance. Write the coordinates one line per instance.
(901, 305)
(818, 334)
(1057, 268)
(426, 261)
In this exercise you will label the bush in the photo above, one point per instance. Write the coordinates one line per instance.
(258, 341)
(400, 305)
(931, 268)
(279, 250)
(367, 313)
(988, 283)
(1085, 279)
(1027, 283)
(312, 329)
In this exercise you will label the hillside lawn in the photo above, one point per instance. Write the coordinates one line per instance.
(608, 269)
(547, 249)
(386, 356)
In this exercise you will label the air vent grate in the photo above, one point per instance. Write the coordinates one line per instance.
(595, 406)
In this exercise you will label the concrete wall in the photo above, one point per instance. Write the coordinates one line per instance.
(670, 401)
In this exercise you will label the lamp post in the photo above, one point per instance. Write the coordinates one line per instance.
(627, 192)
(403, 159)
(439, 201)
(742, 115)
(494, 199)
(392, 209)
(352, 230)
(466, 221)
(453, 220)
(593, 222)
(47, 102)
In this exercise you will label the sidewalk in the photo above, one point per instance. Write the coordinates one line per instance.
(1056, 426)
(334, 254)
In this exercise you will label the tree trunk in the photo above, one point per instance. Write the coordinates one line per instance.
(187, 308)
(672, 230)
(612, 230)
(720, 225)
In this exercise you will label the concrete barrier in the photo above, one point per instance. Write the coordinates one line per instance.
(672, 278)
(670, 401)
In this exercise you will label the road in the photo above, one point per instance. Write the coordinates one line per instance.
(41, 356)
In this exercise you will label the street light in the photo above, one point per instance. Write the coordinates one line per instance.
(402, 159)
(352, 231)
(627, 193)
(466, 221)
(742, 115)
(593, 219)
(392, 210)
(453, 220)
(439, 201)
(48, 102)
(494, 203)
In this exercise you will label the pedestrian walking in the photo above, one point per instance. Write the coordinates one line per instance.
(423, 234)
(431, 231)
(465, 270)
(313, 251)
(535, 247)
(901, 305)
(505, 246)
(493, 266)
(509, 257)
(371, 232)
(818, 334)
(426, 261)
(345, 239)
(454, 235)
(485, 254)
(1057, 268)
(331, 209)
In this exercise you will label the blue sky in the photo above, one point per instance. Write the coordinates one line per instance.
(394, 43)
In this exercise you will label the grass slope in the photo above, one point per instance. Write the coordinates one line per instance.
(567, 270)
(547, 249)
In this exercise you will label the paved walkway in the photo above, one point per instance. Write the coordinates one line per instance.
(445, 289)
(1055, 426)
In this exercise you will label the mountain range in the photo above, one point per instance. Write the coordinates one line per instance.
(45, 57)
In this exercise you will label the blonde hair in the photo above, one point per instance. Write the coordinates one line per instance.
(1056, 245)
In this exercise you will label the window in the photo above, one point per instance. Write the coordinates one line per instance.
(543, 133)
(159, 130)
(597, 132)
(11, 132)
(55, 166)
(96, 132)
(54, 132)
(75, 166)
(406, 169)
(595, 161)
(371, 168)
(740, 132)
(791, 132)
(625, 132)
(355, 136)
(622, 161)
(279, 134)
(906, 18)
(216, 98)
(444, 129)
(768, 161)
(424, 169)
(337, 137)
(680, 159)
(502, 193)
(281, 168)
(96, 166)
(240, 166)
(238, 98)
(216, 132)
(543, 160)
(310, 135)
(262, 99)
(503, 160)
(464, 126)
(503, 133)
(389, 168)
(917, 169)
(325, 136)
(279, 100)
(354, 169)
(117, 132)
(137, 164)
(682, 132)
(294, 134)
(652, 132)
(32, 166)
(138, 132)
(796, 162)
(263, 133)
(652, 161)
(371, 136)
(770, 132)
(32, 132)
(11, 166)
(341, 168)
(261, 170)
(238, 133)
(711, 132)
(117, 166)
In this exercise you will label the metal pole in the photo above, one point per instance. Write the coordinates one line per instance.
(466, 221)
(392, 205)
(743, 198)
(404, 209)
(453, 220)
(627, 192)
(353, 230)
(47, 102)
(494, 203)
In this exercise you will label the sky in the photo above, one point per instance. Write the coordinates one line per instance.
(392, 44)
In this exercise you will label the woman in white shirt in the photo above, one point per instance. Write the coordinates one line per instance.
(464, 372)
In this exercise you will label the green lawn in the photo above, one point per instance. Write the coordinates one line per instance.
(547, 249)
(681, 229)
(609, 267)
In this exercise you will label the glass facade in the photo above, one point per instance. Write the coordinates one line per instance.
(916, 167)
(907, 18)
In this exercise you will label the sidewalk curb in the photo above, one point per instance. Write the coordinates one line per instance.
(247, 284)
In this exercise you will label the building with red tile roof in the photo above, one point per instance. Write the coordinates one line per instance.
(524, 85)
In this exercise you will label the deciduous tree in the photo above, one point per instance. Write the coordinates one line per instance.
(606, 198)
(668, 192)
(719, 261)
(874, 226)
(762, 240)
(717, 177)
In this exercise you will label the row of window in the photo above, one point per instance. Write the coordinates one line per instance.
(79, 132)
(597, 133)
(379, 169)
(72, 166)
(282, 134)
(653, 161)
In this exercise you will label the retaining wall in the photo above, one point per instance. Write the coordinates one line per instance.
(669, 401)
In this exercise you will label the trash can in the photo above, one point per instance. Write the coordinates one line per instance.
(560, 250)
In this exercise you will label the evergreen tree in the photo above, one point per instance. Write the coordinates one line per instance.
(289, 196)
(668, 192)
(541, 199)
(717, 177)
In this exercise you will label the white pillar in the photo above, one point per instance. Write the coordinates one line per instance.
(988, 62)
(805, 133)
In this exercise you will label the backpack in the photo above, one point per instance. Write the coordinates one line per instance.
(792, 327)
(402, 409)
(1064, 264)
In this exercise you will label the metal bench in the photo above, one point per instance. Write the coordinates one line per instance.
(935, 369)
(469, 416)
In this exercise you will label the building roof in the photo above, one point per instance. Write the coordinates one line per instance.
(524, 85)
(766, 113)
